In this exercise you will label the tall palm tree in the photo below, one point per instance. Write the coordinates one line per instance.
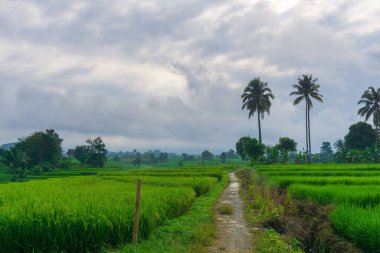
(257, 98)
(371, 101)
(306, 89)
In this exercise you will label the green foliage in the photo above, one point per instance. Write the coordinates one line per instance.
(271, 155)
(207, 155)
(354, 189)
(17, 161)
(257, 98)
(223, 157)
(254, 149)
(360, 136)
(85, 214)
(188, 233)
(361, 225)
(97, 152)
(272, 242)
(326, 154)
(240, 146)
(361, 195)
(307, 89)
(42, 148)
(93, 154)
(286, 145)
(226, 208)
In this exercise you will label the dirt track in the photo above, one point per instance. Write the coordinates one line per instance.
(232, 230)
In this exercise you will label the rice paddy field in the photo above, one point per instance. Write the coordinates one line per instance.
(353, 190)
(92, 210)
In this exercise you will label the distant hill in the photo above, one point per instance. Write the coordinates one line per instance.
(8, 146)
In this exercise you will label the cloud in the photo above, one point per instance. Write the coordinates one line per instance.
(169, 75)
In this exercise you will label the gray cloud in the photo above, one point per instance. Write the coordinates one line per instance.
(169, 75)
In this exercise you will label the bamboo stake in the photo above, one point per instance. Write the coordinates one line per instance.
(137, 213)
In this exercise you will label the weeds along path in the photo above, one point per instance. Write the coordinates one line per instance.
(232, 230)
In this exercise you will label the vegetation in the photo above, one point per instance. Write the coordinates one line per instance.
(371, 107)
(93, 154)
(360, 136)
(350, 193)
(88, 213)
(248, 147)
(226, 208)
(257, 98)
(306, 89)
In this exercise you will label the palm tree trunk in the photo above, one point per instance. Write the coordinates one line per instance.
(258, 117)
(307, 136)
(308, 116)
(377, 139)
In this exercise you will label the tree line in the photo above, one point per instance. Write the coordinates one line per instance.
(257, 98)
(42, 151)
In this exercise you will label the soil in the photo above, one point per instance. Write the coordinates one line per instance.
(233, 234)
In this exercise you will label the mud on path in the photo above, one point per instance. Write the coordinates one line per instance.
(232, 230)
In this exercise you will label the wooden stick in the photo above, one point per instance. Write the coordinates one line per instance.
(137, 213)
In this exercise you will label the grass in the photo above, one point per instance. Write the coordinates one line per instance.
(285, 181)
(191, 232)
(226, 208)
(81, 214)
(354, 191)
(362, 195)
(361, 225)
(73, 213)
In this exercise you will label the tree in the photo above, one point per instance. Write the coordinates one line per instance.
(287, 145)
(42, 148)
(207, 155)
(81, 153)
(231, 154)
(371, 101)
(360, 136)
(97, 152)
(94, 153)
(223, 157)
(306, 89)
(163, 157)
(17, 161)
(257, 98)
(137, 161)
(271, 155)
(240, 147)
(340, 151)
(70, 152)
(326, 154)
(254, 149)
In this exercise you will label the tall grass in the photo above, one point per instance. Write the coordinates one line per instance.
(81, 214)
(363, 195)
(201, 185)
(285, 181)
(311, 167)
(361, 225)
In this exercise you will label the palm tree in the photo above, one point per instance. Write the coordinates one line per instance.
(16, 160)
(257, 98)
(371, 101)
(306, 89)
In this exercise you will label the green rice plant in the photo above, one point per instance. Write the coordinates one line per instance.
(362, 195)
(82, 214)
(285, 181)
(318, 167)
(361, 225)
(321, 173)
(201, 185)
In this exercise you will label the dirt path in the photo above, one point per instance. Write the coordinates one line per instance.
(232, 230)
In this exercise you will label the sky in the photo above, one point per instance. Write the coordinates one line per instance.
(169, 74)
